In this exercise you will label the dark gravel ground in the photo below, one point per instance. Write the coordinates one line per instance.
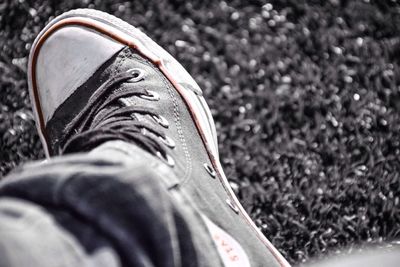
(306, 97)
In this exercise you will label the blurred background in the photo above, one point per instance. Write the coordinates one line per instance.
(305, 94)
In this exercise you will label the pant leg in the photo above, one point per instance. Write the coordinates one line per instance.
(29, 236)
(117, 199)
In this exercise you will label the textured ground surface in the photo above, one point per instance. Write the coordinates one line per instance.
(306, 96)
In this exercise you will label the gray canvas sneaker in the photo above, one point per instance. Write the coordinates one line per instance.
(95, 78)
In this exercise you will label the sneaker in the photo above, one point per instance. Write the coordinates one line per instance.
(95, 78)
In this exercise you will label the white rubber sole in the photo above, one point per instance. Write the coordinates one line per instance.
(173, 71)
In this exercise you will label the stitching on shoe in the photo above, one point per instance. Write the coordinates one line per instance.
(177, 121)
(118, 66)
(188, 167)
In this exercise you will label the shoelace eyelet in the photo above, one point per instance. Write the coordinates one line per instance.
(210, 170)
(167, 159)
(168, 141)
(137, 75)
(151, 95)
(161, 120)
(232, 206)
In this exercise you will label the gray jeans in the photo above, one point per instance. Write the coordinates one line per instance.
(110, 207)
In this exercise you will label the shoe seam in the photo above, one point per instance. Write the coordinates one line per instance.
(177, 118)
(177, 121)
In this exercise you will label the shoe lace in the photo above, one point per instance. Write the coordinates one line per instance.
(107, 116)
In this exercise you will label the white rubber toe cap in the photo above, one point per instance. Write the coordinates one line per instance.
(67, 59)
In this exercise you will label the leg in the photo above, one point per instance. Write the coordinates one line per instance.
(104, 208)
(30, 236)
